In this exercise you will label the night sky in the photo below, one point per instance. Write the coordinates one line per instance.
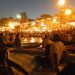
(33, 8)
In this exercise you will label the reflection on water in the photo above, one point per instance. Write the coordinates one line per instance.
(31, 39)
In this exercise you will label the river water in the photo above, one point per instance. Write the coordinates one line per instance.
(31, 40)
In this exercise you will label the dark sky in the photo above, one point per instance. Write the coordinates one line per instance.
(33, 8)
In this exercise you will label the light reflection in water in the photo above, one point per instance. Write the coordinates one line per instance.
(31, 39)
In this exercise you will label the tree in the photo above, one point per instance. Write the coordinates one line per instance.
(44, 16)
(11, 19)
(24, 17)
(4, 21)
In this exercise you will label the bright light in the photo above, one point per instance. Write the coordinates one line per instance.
(11, 25)
(54, 20)
(18, 16)
(25, 40)
(44, 29)
(68, 11)
(40, 40)
(33, 23)
(42, 24)
(32, 40)
(35, 29)
(2, 29)
(72, 23)
(61, 2)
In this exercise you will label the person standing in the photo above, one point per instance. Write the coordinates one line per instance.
(46, 41)
(46, 45)
(17, 40)
(56, 51)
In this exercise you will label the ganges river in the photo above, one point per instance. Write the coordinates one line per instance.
(31, 40)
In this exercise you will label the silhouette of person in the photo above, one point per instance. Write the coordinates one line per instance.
(46, 44)
(47, 55)
(1, 39)
(3, 51)
(17, 40)
(56, 51)
(46, 41)
(3, 57)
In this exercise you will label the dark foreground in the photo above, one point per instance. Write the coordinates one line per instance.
(25, 59)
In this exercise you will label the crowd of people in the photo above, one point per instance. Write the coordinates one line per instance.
(5, 44)
(10, 39)
(52, 42)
